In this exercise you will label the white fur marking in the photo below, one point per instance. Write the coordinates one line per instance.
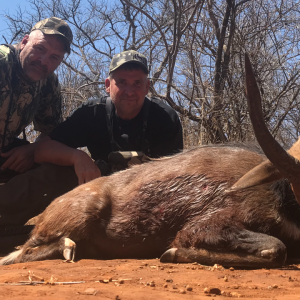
(10, 258)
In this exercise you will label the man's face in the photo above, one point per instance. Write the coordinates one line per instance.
(127, 90)
(40, 54)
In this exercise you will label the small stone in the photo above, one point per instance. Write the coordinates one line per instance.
(211, 290)
(225, 279)
(235, 294)
(121, 281)
(117, 297)
(152, 283)
(91, 291)
(182, 291)
(231, 269)
(165, 285)
(174, 287)
(169, 280)
(218, 267)
(189, 288)
(274, 286)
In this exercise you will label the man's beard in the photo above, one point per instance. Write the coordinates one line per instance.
(42, 70)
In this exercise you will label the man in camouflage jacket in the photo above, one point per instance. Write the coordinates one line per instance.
(29, 90)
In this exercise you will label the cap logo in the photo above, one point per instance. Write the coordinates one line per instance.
(128, 56)
(143, 60)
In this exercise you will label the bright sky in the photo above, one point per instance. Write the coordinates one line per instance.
(10, 6)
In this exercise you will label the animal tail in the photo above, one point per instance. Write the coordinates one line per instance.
(10, 258)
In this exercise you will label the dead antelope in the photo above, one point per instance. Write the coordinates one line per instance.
(182, 208)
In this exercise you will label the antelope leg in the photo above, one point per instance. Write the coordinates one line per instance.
(69, 250)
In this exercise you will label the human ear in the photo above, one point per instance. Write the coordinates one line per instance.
(148, 85)
(24, 41)
(107, 85)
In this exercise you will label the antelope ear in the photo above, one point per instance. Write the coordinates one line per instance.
(295, 150)
(261, 174)
(264, 172)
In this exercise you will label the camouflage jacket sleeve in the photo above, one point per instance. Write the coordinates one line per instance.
(49, 113)
(6, 69)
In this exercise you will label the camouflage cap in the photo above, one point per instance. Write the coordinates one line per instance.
(128, 56)
(55, 25)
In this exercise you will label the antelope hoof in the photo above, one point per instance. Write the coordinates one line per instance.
(270, 253)
(169, 256)
(69, 250)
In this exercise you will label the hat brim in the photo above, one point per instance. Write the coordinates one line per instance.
(130, 61)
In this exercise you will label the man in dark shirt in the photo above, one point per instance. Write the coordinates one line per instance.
(125, 121)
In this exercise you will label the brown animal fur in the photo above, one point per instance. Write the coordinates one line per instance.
(178, 203)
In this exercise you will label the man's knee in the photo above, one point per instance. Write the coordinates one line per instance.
(28, 194)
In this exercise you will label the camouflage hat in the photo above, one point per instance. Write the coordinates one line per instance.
(55, 25)
(128, 56)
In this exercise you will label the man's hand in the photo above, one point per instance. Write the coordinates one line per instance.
(54, 152)
(85, 168)
(19, 159)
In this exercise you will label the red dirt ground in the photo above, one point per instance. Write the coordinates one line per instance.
(144, 279)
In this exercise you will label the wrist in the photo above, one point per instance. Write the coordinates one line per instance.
(79, 156)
